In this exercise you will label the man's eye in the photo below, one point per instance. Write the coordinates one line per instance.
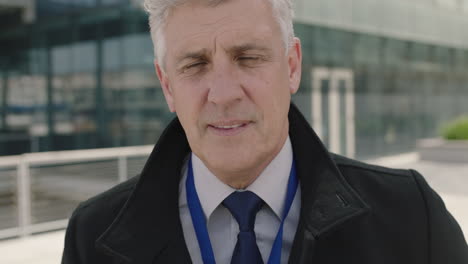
(193, 68)
(248, 58)
(249, 61)
(194, 65)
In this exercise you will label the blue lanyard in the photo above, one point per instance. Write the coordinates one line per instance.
(199, 222)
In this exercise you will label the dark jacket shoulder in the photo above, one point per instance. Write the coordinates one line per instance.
(413, 214)
(114, 198)
(91, 218)
(374, 183)
(344, 162)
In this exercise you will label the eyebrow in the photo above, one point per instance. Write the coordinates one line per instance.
(247, 47)
(237, 49)
(191, 55)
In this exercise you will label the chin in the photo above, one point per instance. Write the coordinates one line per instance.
(230, 161)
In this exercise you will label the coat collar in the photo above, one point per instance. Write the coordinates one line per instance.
(327, 200)
(148, 227)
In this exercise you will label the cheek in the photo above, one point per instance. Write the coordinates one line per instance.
(186, 96)
(188, 104)
(269, 92)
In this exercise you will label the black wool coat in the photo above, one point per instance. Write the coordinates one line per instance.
(351, 212)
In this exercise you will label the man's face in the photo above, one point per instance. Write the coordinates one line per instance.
(229, 79)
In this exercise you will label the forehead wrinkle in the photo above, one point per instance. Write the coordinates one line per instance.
(216, 22)
(182, 50)
(243, 40)
(215, 39)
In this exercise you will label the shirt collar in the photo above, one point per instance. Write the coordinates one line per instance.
(271, 185)
(211, 190)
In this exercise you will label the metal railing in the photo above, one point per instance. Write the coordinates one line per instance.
(39, 191)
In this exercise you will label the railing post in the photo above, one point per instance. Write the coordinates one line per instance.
(24, 197)
(123, 168)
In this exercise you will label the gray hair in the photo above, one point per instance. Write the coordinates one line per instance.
(158, 11)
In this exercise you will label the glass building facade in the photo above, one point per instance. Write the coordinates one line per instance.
(403, 90)
(81, 76)
(80, 80)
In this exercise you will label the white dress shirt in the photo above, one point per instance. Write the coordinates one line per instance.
(223, 228)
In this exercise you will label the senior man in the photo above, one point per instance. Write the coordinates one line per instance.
(239, 176)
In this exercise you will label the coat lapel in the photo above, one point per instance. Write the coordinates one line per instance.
(148, 228)
(327, 201)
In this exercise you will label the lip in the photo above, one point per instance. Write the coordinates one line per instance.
(217, 130)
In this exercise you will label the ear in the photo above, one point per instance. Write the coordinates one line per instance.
(295, 65)
(167, 91)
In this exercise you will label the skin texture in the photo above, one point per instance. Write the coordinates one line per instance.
(226, 66)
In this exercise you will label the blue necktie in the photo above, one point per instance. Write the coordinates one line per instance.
(244, 207)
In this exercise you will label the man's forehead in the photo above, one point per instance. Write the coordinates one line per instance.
(232, 28)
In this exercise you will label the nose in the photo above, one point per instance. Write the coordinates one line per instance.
(225, 86)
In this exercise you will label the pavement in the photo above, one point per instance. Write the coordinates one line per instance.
(37, 249)
(450, 180)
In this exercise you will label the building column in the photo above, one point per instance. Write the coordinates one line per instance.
(49, 145)
(100, 102)
(4, 101)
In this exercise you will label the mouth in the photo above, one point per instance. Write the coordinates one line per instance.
(230, 128)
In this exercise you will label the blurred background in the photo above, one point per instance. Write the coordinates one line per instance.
(80, 104)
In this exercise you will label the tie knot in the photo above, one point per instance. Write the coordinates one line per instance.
(244, 207)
